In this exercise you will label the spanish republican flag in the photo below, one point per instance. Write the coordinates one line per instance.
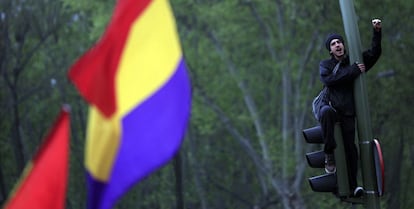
(139, 94)
(44, 181)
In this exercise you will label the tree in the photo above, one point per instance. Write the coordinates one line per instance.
(254, 70)
(261, 50)
(34, 57)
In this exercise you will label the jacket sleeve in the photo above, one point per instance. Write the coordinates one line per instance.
(372, 55)
(343, 75)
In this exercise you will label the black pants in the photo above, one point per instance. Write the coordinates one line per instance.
(328, 119)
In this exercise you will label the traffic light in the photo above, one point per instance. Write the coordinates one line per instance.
(335, 182)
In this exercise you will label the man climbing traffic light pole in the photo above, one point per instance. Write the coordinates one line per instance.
(338, 74)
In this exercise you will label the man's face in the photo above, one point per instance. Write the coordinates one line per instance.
(337, 48)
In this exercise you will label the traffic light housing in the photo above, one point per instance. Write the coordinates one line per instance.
(337, 182)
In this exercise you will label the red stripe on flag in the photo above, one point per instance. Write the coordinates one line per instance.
(43, 185)
(94, 73)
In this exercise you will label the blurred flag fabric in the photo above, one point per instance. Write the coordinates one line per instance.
(44, 181)
(135, 81)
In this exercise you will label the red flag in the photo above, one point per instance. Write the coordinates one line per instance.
(44, 181)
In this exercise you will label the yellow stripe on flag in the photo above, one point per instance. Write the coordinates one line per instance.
(102, 142)
(150, 58)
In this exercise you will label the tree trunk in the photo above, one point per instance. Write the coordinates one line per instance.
(16, 136)
(394, 185)
(3, 195)
(197, 173)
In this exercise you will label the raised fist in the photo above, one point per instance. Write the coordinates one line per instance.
(376, 23)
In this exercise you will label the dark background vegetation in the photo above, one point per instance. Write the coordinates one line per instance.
(254, 71)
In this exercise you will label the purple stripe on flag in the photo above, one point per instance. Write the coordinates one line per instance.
(151, 135)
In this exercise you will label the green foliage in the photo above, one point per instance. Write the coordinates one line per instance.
(237, 51)
(43, 38)
(97, 13)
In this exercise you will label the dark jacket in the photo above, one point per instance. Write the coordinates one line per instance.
(341, 84)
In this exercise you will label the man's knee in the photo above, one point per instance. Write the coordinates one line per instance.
(326, 111)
